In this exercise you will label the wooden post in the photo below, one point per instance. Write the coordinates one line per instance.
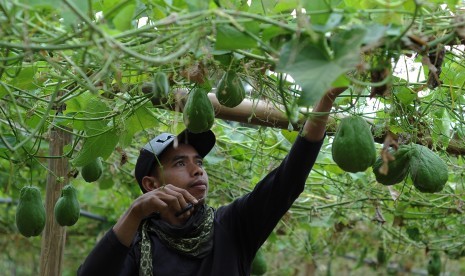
(54, 236)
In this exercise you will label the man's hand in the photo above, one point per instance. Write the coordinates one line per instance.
(165, 201)
(315, 126)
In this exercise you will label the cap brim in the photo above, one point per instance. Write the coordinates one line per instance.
(202, 142)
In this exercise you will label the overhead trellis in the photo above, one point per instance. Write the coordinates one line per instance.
(86, 67)
(115, 47)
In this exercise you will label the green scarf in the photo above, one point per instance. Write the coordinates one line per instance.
(194, 238)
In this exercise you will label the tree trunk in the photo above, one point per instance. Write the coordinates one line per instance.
(53, 238)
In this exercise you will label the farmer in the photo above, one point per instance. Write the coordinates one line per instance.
(170, 229)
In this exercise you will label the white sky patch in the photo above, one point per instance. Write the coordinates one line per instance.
(409, 69)
(142, 21)
(98, 15)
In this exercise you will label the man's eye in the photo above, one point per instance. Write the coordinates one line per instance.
(200, 163)
(179, 163)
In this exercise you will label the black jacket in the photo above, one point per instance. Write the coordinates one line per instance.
(241, 227)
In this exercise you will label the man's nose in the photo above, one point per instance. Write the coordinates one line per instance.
(196, 169)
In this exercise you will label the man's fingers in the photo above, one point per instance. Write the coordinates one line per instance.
(187, 196)
(176, 198)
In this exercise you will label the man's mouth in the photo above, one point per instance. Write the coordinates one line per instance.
(198, 184)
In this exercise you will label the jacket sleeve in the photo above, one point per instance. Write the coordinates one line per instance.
(254, 215)
(109, 257)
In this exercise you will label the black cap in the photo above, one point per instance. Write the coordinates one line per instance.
(202, 142)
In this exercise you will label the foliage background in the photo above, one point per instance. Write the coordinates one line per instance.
(81, 65)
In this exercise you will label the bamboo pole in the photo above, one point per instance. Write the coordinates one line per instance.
(263, 113)
(258, 112)
(54, 236)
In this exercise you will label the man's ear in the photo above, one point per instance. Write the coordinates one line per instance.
(150, 183)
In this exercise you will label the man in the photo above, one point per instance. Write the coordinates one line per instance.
(170, 230)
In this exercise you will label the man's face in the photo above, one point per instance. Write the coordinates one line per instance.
(183, 167)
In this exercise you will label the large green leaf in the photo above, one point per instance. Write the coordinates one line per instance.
(41, 3)
(197, 5)
(102, 145)
(123, 19)
(25, 78)
(441, 127)
(69, 16)
(286, 5)
(314, 68)
(140, 120)
(319, 10)
(262, 6)
(230, 38)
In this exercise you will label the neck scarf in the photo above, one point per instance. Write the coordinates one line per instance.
(194, 238)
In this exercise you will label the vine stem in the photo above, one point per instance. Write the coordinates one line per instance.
(36, 129)
(186, 44)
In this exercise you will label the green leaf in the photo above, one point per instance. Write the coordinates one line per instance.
(312, 66)
(334, 169)
(123, 19)
(308, 65)
(405, 95)
(346, 47)
(41, 3)
(441, 127)
(262, 6)
(142, 119)
(452, 72)
(272, 31)
(69, 16)
(74, 108)
(230, 38)
(320, 11)
(102, 145)
(106, 183)
(158, 12)
(197, 5)
(286, 5)
(238, 153)
(25, 78)
(374, 33)
(331, 22)
(94, 111)
(290, 136)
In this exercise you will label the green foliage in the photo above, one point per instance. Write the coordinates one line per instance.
(315, 67)
(79, 66)
(230, 38)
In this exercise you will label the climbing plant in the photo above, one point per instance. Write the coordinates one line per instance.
(89, 68)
